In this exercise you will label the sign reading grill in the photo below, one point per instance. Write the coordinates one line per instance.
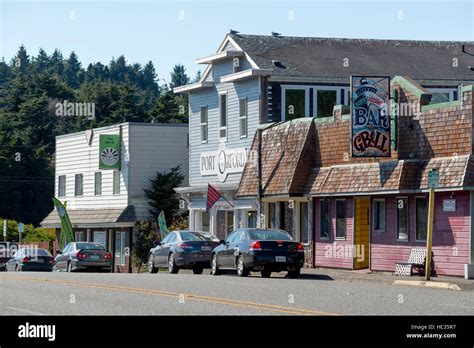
(223, 162)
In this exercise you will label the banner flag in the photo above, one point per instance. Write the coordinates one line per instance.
(162, 223)
(109, 152)
(66, 227)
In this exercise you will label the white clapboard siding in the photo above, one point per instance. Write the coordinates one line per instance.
(75, 156)
(249, 88)
(154, 148)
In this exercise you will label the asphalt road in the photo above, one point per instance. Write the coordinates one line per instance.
(188, 294)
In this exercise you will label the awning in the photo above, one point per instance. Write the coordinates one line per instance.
(88, 218)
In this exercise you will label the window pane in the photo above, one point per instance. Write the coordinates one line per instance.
(78, 185)
(116, 182)
(326, 102)
(243, 107)
(379, 215)
(421, 218)
(205, 221)
(340, 219)
(294, 103)
(223, 110)
(203, 114)
(252, 219)
(273, 222)
(243, 127)
(62, 186)
(325, 219)
(402, 218)
(304, 222)
(439, 98)
(98, 183)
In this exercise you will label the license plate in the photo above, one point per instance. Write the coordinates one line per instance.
(40, 260)
(95, 257)
(280, 258)
(206, 248)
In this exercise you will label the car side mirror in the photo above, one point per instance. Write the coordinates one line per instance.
(222, 241)
(58, 252)
(157, 243)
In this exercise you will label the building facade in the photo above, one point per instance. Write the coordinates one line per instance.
(104, 205)
(254, 81)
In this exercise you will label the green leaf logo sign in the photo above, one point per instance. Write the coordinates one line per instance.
(109, 152)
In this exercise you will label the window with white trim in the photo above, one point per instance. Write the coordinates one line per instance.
(204, 127)
(325, 218)
(443, 95)
(62, 186)
(402, 218)
(243, 117)
(97, 183)
(78, 187)
(223, 116)
(341, 223)
(116, 182)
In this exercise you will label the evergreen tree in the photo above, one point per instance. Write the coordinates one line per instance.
(73, 71)
(179, 76)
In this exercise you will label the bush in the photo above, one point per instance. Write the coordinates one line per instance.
(146, 237)
(179, 223)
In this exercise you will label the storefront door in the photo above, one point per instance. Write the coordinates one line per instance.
(361, 232)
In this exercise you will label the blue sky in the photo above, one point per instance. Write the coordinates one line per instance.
(170, 32)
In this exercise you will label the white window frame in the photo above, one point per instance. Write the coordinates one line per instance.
(374, 215)
(408, 220)
(95, 184)
(315, 88)
(301, 232)
(345, 218)
(245, 117)
(450, 91)
(416, 218)
(59, 186)
(202, 124)
(114, 174)
(321, 201)
(226, 127)
(75, 185)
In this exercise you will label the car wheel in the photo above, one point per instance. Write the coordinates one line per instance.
(294, 274)
(151, 265)
(17, 269)
(266, 274)
(55, 268)
(172, 264)
(214, 267)
(69, 266)
(242, 271)
(197, 270)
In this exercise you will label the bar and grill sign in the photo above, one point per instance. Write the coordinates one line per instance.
(370, 116)
(109, 152)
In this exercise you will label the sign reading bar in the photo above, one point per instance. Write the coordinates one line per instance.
(370, 116)
(109, 152)
(223, 161)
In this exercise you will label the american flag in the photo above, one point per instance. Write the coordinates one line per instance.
(212, 196)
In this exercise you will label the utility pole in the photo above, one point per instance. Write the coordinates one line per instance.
(259, 176)
(433, 182)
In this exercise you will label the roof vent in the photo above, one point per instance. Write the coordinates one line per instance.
(278, 64)
(275, 34)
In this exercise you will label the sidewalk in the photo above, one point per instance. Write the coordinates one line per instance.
(381, 277)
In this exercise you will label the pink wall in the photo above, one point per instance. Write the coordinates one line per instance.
(330, 253)
(451, 237)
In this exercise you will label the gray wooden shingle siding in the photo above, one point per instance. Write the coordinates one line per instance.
(248, 88)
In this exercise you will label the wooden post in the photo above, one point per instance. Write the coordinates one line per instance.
(429, 237)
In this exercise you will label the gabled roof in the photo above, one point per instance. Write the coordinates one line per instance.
(324, 57)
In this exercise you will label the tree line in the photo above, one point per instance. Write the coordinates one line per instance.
(31, 90)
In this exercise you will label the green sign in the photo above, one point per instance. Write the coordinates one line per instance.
(433, 179)
(109, 152)
(66, 227)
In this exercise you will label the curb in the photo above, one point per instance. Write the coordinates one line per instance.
(429, 284)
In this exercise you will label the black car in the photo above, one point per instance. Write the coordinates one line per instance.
(83, 256)
(182, 249)
(258, 250)
(7, 250)
(31, 259)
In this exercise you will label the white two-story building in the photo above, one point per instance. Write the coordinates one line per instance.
(103, 205)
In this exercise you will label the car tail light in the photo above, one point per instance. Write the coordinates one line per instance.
(256, 246)
(107, 256)
(81, 255)
(26, 259)
(299, 247)
(185, 246)
(51, 260)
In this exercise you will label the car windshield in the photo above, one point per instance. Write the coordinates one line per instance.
(196, 236)
(90, 246)
(35, 252)
(269, 235)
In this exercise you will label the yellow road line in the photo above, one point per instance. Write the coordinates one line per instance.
(192, 297)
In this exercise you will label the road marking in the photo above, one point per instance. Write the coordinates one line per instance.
(25, 311)
(192, 297)
(452, 305)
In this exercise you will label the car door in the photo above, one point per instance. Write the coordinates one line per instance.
(234, 249)
(224, 256)
(162, 252)
(61, 258)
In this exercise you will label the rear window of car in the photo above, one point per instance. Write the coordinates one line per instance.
(269, 235)
(195, 236)
(90, 246)
(35, 252)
